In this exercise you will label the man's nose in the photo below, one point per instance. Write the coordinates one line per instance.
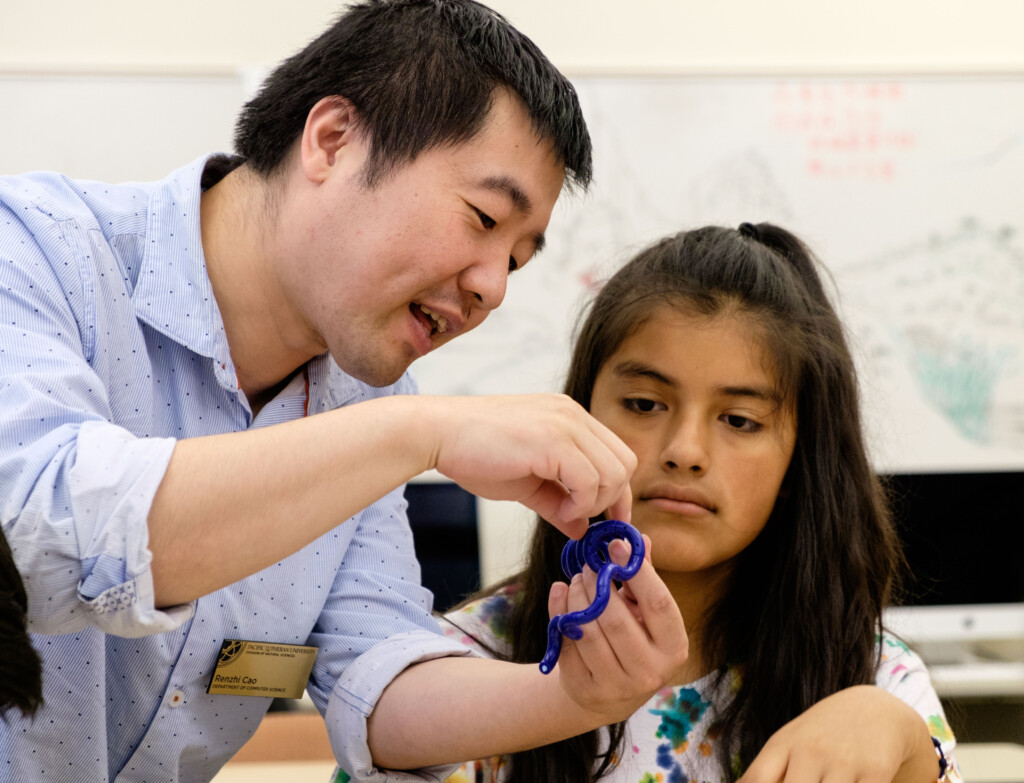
(486, 280)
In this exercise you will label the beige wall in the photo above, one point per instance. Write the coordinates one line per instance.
(578, 35)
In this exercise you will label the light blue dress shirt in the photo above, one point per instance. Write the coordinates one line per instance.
(111, 349)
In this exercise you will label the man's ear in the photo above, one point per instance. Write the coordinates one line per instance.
(331, 137)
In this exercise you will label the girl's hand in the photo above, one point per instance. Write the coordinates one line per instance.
(626, 591)
(636, 646)
(859, 734)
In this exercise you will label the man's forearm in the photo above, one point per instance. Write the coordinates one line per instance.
(281, 487)
(458, 709)
(273, 490)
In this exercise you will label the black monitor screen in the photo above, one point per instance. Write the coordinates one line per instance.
(444, 527)
(963, 535)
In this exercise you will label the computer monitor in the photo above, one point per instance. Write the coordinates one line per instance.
(963, 534)
(443, 518)
(962, 607)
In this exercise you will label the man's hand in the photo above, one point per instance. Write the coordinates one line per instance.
(544, 451)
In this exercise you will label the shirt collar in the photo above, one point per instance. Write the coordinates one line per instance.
(173, 294)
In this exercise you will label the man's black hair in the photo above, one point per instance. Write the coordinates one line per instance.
(420, 74)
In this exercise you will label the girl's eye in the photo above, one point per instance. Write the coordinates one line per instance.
(486, 220)
(741, 423)
(641, 405)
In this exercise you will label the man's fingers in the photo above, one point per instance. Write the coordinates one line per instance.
(622, 453)
(594, 480)
(597, 476)
(615, 464)
(622, 507)
(546, 502)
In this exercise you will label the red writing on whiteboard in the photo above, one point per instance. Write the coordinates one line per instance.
(848, 129)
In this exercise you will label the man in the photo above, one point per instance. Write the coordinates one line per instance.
(173, 508)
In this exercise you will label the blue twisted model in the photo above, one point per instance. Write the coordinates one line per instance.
(592, 549)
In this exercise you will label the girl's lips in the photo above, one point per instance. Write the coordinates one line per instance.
(679, 500)
(682, 507)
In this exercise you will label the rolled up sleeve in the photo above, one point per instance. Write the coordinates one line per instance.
(75, 489)
(357, 692)
(77, 503)
(376, 623)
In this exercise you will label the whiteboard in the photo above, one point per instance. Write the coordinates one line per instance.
(910, 189)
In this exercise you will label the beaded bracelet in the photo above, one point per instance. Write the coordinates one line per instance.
(942, 757)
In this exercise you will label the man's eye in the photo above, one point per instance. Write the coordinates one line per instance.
(486, 220)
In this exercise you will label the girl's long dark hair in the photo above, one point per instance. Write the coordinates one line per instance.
(20, 668)
(801, 613)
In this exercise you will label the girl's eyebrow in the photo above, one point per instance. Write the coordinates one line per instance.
(765, 393)
(634, 369)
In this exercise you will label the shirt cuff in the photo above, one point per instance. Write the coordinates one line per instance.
(113, 482)
(129, 609)
(356, 694)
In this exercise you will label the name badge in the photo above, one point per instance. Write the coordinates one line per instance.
(262, 669)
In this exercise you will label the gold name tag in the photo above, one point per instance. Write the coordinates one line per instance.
(262, 669)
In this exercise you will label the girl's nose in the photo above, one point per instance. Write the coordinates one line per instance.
(685, 446)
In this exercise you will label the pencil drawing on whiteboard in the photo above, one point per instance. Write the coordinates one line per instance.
(952, 315)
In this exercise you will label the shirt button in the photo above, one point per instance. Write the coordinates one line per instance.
(176, 698)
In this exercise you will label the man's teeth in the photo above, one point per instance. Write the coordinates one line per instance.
(439, 320)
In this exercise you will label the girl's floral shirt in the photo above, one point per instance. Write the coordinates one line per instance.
(674, 738)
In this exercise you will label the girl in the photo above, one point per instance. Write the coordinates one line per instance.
(717, 357)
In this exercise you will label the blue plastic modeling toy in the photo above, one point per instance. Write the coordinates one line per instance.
(592, 549)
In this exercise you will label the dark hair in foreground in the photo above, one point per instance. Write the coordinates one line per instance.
(20, 669)
(421, 74)
(800, 614)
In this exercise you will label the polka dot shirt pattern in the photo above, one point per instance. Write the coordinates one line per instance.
(111, 349)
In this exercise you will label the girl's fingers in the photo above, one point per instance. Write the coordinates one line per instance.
(594, 648)
(658, 609)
